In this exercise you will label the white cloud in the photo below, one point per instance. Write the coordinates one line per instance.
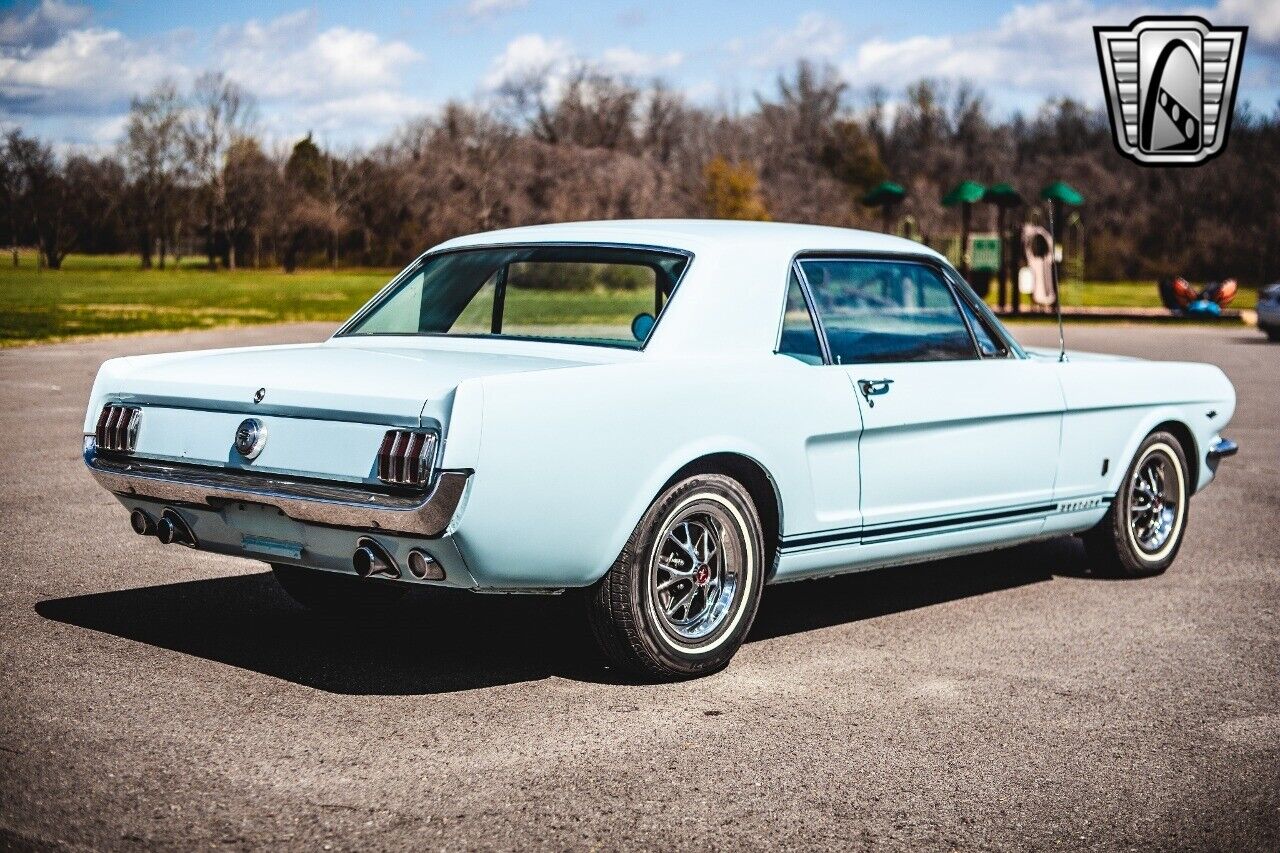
(526, 57)
(1033, 52)
(634, 63)
(364, 119)
(289, 58)
(534, 57)
(83, 71)
(815, 36)
(342, 81)
(41, 26)
(487, 9)
(1261, 16)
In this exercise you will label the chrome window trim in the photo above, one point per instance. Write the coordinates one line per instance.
(963, 290)
(795, 270)
(383, 294)
(944, 273)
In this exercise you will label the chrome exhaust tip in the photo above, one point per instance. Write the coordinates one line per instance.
(173, 529)
(425, 567)
(371, 560)
(142, 523)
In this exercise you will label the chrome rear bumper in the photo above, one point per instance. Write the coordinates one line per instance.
(333, 504)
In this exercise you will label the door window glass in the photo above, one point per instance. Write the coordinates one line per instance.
(887, 311)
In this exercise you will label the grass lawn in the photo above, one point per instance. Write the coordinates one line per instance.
(94, 295)
(108, 295)
(1124, 294)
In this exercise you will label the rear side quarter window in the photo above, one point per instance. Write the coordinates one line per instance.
(799, 337)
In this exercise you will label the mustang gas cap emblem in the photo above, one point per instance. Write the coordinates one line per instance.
(251, 437)
(259, 394)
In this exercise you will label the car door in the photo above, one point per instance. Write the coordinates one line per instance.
(960, 432)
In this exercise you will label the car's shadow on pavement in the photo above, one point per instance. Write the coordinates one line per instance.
(444, 641)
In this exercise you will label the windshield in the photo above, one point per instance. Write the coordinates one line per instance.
(576, 294)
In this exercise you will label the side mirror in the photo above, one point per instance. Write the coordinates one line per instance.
(642, 325)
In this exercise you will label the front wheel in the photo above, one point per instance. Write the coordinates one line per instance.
(1272, 333)
(682, 595)
(1142, 531)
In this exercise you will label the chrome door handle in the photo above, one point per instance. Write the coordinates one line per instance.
(873, 388)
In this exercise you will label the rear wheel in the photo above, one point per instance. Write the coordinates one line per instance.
(1272, 332)
(1142, 531)
(683, 593)
(330, 592)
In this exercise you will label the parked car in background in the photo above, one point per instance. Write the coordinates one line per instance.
(668, 415)
(1269, 311)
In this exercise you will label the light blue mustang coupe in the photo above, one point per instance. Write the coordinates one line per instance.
(668, 414)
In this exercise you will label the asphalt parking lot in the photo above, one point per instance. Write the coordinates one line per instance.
(158, 697)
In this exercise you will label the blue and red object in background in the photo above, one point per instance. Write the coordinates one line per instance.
(1181, 298)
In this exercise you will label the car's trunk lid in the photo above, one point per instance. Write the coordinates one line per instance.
(325, 407)
(377, 383)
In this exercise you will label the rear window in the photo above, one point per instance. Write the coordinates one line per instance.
(577, 294)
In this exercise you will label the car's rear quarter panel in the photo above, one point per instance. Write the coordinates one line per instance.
(568, 460)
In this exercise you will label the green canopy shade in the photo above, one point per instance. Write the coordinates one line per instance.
(1002, 195)
(965, 192)
(884, 193)
(1063, 192)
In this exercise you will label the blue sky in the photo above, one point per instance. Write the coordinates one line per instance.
(353, 72)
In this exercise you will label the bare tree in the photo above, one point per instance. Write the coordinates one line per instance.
(154, 156)
(222, 113)
(594, 111)
(663, 121)
(46, 199)
(577, 143)
(249, 180)
(15, 185)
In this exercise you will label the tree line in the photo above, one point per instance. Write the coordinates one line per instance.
(191, 174)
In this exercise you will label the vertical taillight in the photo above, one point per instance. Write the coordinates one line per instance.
(117, 428)
(406, 457)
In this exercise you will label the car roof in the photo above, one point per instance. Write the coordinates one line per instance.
(731, 300)
(695, 234)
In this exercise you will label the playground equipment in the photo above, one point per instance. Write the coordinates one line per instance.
(965, 194)
(1184, 300)
(885, 195)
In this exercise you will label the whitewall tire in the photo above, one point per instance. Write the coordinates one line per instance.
(681, 597)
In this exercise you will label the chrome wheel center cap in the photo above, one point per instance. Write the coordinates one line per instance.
(702, 575)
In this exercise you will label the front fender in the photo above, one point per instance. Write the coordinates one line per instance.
(1112, 407)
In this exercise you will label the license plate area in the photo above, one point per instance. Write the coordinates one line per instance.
(271, 547)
